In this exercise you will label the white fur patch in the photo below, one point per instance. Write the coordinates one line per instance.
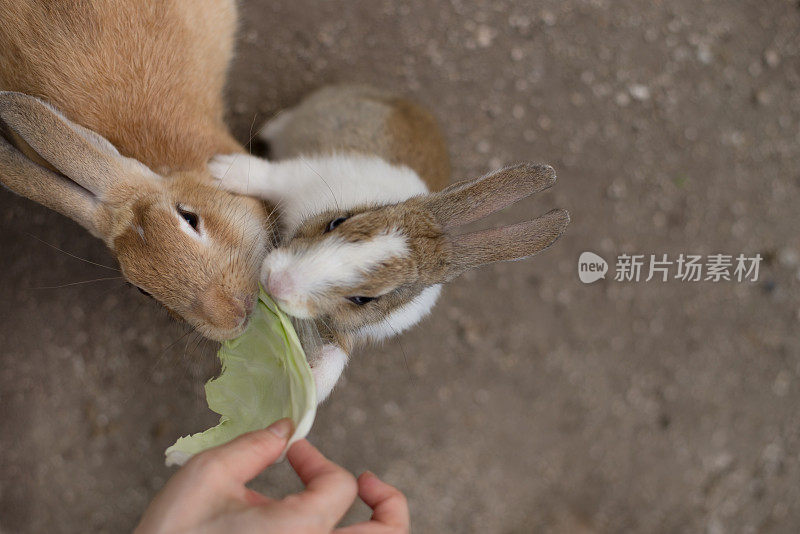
(139, 230)
(403, 317)
(327, 369)
(340, 182)
(307, 185)
(335, 262)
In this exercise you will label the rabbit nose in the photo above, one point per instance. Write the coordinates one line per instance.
(239, 312)
(280, 284)
(221, 309)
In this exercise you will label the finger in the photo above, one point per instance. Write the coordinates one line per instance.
(243, 458)
(255, 498)
(389, 508)
(389, 505)
(330, 489)
(370, 527)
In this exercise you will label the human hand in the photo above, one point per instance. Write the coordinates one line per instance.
(209, 495)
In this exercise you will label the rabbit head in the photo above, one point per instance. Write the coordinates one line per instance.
(194, 248)
(370, 272)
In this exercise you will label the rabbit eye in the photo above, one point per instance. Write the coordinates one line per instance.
(192, 218)
(361, 300)
(334, 223)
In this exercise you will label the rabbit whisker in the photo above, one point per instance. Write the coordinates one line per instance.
(254, 135)
(81, 282)
(250, 143)
(73, 255)
(333, 196)
(250, 150)
(201, 340)
(165, 349)
(402, 349)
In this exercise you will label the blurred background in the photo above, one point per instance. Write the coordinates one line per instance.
(528, 402)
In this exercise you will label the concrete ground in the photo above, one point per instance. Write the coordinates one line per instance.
(528, 402)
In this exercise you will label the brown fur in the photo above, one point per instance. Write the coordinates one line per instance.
(365, 120)
(417, 142)
(397, 280)
(148, 77)
(435, 255)
(368, 121)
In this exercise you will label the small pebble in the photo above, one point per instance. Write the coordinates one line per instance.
(771, 58)
(704, 54)
(639, 92)
(485, 35)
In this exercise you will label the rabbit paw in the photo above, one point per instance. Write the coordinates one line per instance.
(327, 368)
(238, 173)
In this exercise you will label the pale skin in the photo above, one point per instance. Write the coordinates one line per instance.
(209, 494)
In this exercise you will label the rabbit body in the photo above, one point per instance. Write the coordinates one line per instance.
(358, 119)
(129, 71)
(357, 177)
(344, 147)
(109, 112)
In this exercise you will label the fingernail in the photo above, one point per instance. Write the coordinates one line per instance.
(281, 428)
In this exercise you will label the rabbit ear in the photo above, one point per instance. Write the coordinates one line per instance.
(53, 161)
(44, 186)
(507, 243)
(470, 200)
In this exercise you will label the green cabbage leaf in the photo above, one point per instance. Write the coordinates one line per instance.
(265, 377)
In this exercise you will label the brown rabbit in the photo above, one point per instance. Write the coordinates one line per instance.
(366, 244)
(109, 112)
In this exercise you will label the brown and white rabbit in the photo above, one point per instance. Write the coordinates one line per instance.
(366, 244)
(110, 111)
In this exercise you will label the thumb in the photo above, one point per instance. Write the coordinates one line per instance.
(246, 456)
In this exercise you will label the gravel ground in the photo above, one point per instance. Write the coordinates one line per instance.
(529, 402)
